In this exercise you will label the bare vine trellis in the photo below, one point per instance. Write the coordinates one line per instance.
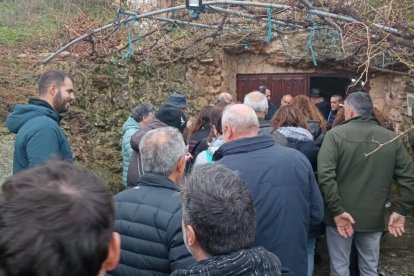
(375, 37)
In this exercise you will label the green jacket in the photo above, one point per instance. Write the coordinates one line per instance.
(38, 135)
(358, 184)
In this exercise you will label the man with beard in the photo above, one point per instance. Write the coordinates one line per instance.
(37, 124)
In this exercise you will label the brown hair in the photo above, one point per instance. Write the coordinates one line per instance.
(289, 115)
(310, 110)
(202, 120)
(48, 78)
(215, 116)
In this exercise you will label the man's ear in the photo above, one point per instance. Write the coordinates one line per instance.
(181, 164)
(227, 132)
(52, 90)
(114, 253)
(191, 236)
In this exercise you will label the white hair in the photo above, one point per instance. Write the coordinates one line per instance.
(257, 101)
(241, 117)
(161, 149)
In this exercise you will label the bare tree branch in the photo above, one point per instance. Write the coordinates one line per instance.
(380, 145)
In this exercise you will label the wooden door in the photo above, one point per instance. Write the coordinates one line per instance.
(279, 84)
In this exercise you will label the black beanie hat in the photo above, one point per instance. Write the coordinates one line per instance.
(172, 117)
(177, 100)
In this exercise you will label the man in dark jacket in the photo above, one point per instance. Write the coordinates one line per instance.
(320, 102)
(148, 217)
(37, 124)
(357, 163)
(272, 108)
(285, 193)
(336, 104)
(258, 102)
(219, 223)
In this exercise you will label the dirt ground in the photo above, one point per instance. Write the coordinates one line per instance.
(396, 256)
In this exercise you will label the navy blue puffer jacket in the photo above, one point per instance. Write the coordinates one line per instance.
(148, 218)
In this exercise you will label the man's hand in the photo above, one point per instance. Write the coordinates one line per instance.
(344, 223)
(396, 225)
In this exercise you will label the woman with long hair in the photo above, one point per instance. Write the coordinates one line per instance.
(199, 131)
(315, 121)
(216, 139)
(292, 123)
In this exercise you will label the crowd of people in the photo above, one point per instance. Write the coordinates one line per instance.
(233, 191)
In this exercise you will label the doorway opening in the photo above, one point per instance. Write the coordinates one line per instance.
(330, 85)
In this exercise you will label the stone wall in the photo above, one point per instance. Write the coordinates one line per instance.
(106, 90)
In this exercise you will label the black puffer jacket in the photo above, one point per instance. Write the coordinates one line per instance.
(148, 218)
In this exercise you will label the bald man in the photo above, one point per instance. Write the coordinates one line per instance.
(285, 193)
(225, 98)
(286, 100)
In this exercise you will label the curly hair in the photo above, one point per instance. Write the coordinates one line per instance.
(289, 115)
(310, 110)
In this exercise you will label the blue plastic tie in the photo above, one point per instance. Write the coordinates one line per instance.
(310, 39)
(269, 25)
(131, 45)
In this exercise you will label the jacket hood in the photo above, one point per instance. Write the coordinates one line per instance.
(130, 123)
(244, 145)
(254, 261)
(297, 133)
(314, 128)
(215, 144)
(136, 138)
(263, 123)
(24, 112)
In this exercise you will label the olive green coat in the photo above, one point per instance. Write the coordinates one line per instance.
(358, 184)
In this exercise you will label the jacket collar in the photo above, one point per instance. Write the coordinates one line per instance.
(244, 145)
(361, 119)
(296, 133)
(263, 123)
(157, 180)
(255, 261)
(40, 102)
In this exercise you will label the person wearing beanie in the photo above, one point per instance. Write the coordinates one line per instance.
(320, 102)
(172, 117)
(176, 100)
